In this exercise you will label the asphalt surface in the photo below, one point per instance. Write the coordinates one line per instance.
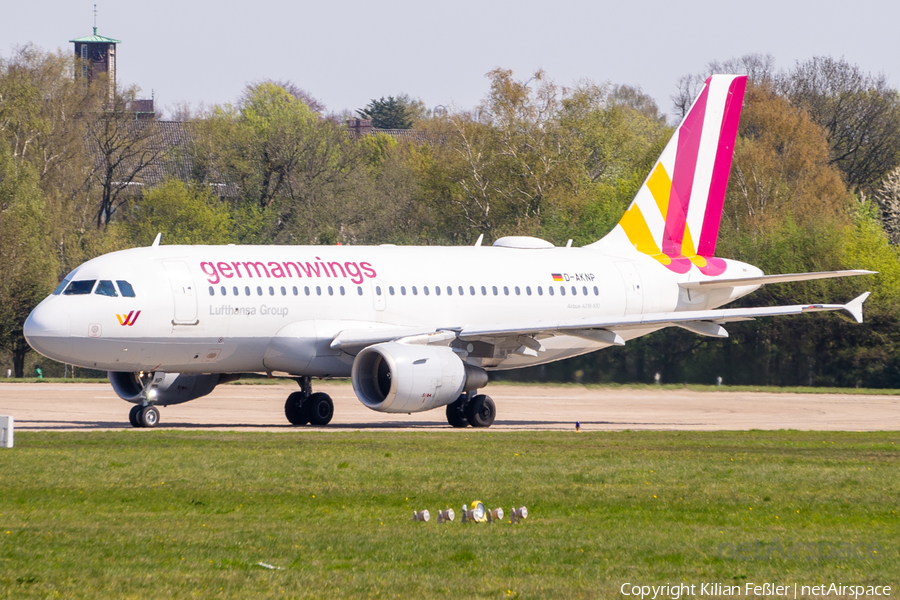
(79, 407)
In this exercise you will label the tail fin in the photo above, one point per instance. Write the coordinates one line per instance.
(676, 214)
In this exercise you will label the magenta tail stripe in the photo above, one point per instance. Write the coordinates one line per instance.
(683, 177)
(712, 217)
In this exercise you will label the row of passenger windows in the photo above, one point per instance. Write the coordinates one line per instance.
(461, 291)
(104, 287)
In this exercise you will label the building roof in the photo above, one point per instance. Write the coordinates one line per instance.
(96, 39)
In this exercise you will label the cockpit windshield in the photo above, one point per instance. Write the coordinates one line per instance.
(62, 285)
(79, 288)
(125, 288)
(105, 288)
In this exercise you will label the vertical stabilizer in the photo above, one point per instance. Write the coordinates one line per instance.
(676, 214)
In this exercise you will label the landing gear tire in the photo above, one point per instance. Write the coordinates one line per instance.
(480, 412)
(134, 416)
(319, 408)
(149, 416)
(456, 412)
(295, 409)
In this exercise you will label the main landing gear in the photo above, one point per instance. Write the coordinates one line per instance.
(143, 415)
(305, 406)
(470, 409)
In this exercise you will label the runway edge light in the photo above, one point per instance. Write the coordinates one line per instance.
(518, 514)
(421, 516)
(446, 515)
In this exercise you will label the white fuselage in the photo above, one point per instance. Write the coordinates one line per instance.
(228, 309)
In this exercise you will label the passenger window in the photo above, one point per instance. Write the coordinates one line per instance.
(550, 289)
(562, 290)
(596, 291)
(106, 288)
(494, 289)
(62, 285)
(449, 291)
(437, 290)
(415, 291)
(462, 292)
(377, 290)
(402, 290)
(271, 291)
(505, 290)
(212, 290)
(584, 290)
(540, 291)
(391, 290)
(234, 289)
(342, 290)
(318, 290)
(259, 290)
(518, 291)
(426, 290)
(483, 291)
(283, 291)
(223, 290)
(359, 290)
(306, 290)
(472, 290)
(574, 291)
(125, 288)
(294, 290)
(528, 289)
(246, 290)
(330, 291)
(80, 288)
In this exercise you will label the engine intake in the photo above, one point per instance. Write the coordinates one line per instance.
(164, 388)
(394, 377)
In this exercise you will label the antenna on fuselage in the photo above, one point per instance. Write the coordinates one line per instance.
(156, 241)
(569, 244)
(480, 239)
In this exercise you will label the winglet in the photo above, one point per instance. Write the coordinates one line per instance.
(854, 307)
(156, 241)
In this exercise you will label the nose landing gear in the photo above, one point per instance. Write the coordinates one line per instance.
(143, 416)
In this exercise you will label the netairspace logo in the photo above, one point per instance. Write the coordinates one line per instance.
(750, 589)
(814, 551)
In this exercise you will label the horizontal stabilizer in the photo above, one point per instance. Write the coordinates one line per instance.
(711, 284)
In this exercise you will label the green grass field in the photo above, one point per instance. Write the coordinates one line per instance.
(141, 514)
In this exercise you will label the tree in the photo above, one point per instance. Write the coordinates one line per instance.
(29, 265)
(183, 213)
(860, 113)
(390, 113)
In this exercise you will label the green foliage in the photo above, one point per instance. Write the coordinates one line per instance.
(390, 113)
(184, 214)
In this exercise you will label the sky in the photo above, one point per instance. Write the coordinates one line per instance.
(347, 52)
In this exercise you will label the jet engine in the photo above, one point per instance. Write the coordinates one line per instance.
(164, 388)
(395, 377)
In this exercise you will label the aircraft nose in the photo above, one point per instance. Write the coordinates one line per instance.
(47, 330)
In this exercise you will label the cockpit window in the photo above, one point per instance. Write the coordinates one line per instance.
(125, 288)
(62, 285)
(79, 288)
(105, 288)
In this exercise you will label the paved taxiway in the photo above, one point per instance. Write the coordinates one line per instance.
(70, 407)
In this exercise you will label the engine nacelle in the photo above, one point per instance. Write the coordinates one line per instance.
(394, 377)
(164, 388)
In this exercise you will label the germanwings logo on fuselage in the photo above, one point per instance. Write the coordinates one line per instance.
(129, 319)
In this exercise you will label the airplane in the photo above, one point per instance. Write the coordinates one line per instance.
(417, 328)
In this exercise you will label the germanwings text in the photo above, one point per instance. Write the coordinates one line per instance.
(218, 271)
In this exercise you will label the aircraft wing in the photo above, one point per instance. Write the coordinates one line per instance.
(711, 284)
(706, 322)
(703, 322)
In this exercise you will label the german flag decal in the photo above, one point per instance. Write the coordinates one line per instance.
(557, 277)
